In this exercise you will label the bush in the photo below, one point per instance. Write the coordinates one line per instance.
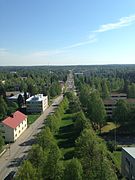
(111, 145)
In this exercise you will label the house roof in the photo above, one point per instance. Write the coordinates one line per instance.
(130, 150)
(36, 98)
(14, 120)
(9, 93)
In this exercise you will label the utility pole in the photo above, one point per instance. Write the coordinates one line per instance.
(115, 137)
(9, 149)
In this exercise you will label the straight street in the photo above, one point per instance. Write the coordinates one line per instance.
(17, 151)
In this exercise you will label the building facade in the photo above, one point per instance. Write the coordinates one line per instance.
(128, 163)
(37, 103)
(118, 96)
(14, 126)
(110, 104)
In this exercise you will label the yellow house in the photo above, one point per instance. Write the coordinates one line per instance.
(14, 126)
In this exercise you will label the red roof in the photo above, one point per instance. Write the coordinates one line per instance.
(14, 120)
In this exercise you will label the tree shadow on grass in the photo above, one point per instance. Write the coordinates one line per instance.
(67, 118)
(66, 138)
(69, 155)
(68, 143)
(66, 135)
(68, 128)
(67, 132)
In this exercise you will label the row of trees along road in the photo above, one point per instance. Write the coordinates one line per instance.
(93, 106)
(90, 150)
(92, 160)
(44, 159)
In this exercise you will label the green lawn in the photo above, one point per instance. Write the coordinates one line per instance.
(67, 119)
(108, 127)
(66, 136)
(32, 118)
(117, 156)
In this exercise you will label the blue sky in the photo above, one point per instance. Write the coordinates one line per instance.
(63, 32)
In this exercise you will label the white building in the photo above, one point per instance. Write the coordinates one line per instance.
(128, 162)
(14, 126)
(14, 98)
(37, 103)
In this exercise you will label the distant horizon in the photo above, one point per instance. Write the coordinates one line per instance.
(67, 65)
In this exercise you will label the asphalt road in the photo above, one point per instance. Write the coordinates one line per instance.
(17, 151)
(70, 82)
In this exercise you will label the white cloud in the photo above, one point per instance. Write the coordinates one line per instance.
(91, 39)
(124, 21)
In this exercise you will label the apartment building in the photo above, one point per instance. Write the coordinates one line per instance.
(37, 103)
(13, 126)
(110, 103)
(128, 163)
